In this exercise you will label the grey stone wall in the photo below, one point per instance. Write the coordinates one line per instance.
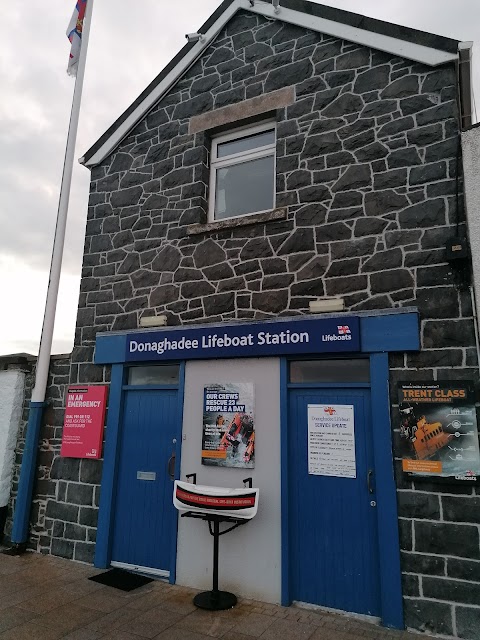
(55, 482)
(438, 523)
(365, 167)
(366, 172)
(64, 512)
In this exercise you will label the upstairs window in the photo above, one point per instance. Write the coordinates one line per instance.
(242, 177)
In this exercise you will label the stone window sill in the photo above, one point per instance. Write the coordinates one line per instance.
(234, 223)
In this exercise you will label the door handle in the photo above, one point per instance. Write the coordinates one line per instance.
(369, 480)
(171, 466)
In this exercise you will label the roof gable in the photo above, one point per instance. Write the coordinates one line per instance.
(400, 41)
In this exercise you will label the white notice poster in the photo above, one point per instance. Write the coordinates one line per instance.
(331, 440)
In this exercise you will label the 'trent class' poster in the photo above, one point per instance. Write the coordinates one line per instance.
(438, 429)
(228, 425)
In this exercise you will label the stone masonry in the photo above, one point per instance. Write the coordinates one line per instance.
(56, 479)
(366, 184)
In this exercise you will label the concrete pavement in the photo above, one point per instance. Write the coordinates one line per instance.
(48, 598)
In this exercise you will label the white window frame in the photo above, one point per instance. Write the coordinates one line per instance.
(237, 158)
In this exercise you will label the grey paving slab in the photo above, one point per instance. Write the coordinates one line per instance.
(13, 617)
(254, 624)
(52, 599)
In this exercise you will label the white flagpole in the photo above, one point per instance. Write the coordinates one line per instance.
(43, 362)
(28, 470)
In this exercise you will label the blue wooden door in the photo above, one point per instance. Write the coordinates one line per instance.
(332, 520)
(144, 512)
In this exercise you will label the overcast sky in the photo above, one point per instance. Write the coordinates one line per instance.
(130, 42)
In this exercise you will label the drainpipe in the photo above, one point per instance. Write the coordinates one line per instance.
(464, 73)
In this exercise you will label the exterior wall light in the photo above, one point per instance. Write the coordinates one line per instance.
(326, 305)
(153, 321)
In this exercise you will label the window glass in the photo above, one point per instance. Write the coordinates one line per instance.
(247, 143)
(243, 172)
(243, 188)
(157, 374)
(356, 370)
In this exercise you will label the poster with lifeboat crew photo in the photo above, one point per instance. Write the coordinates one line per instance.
(438, 429)
(228, 438)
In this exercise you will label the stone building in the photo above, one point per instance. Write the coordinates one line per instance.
(286, 156)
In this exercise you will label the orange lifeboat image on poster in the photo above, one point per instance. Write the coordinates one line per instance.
(241, 427)
(430, 438)
(426, 439)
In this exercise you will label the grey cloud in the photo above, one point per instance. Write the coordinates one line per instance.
(30, 170)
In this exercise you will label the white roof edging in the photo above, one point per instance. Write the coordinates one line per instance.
(401, 48)
(162, 88)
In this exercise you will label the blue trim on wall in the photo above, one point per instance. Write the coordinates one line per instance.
(285, 596)
(329, 385)
(110, 349)
(28, 472)
(379, 333)
(178, 460)
(107, 494)
(390, 333)
(388, 537)
(150, 387)
(288, 336)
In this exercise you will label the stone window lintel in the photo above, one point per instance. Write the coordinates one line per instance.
(241, 111)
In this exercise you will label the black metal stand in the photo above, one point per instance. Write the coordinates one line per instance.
(215, 600)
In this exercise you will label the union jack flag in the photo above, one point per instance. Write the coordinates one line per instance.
(74, 33)
(343, 329)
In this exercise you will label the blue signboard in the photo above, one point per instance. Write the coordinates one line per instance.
(281, 338)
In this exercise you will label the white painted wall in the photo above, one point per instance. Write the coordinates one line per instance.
(471, 171)
(250, 556)
(11, 401)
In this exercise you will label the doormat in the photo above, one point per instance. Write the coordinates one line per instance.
(121, 579)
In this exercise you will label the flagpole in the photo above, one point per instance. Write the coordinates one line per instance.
(37, 404)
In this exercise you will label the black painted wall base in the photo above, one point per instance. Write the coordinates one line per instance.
(3, 519)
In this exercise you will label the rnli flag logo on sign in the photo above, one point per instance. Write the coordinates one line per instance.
(343, 330)
(330, 410)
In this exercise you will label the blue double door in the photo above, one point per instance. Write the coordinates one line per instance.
(144, 516)
(333, 539)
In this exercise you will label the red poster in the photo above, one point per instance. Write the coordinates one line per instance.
(84, 420)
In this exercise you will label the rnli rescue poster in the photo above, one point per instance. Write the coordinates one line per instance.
(228, 425)
(438, 429)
